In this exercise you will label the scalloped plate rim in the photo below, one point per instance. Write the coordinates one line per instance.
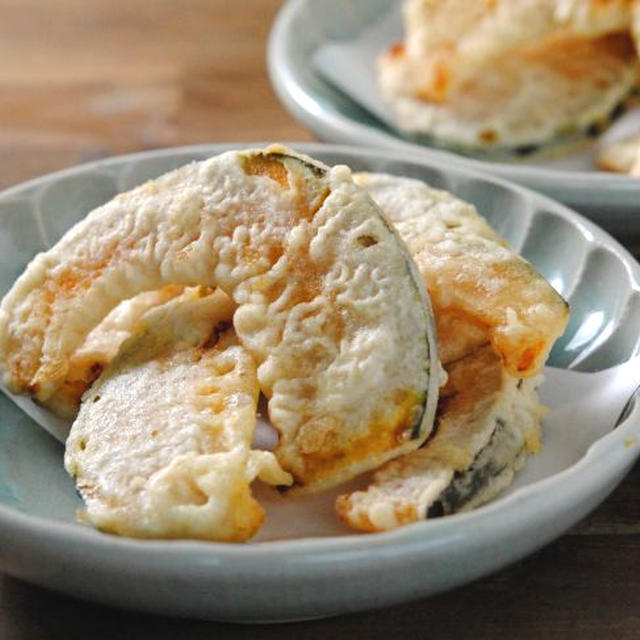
(304, 559)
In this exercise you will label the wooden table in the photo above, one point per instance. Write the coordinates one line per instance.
(81, 80)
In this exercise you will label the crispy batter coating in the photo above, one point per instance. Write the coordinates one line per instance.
(622, 156)
(100, 347)
(529, 97)
(161, 447)
(450, 41)
(487, 423)
(481, 291)
(497, 320)
(330, 305)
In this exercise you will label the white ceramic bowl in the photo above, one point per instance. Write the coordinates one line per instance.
(329, 574)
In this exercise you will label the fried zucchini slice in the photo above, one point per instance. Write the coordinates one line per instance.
(330, 304)
(487, 423)
(161, 447)
(481, 291)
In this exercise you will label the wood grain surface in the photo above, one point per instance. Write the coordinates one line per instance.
(80, 80)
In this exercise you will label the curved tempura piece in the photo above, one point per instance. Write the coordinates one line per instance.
(481, 290)
(488, 422)
(449, 41)
(100, 347)
(497, 319)
(161, 447)
(520, 101)
(331, 306)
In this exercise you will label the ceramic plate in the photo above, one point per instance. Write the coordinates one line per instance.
(303, 26)
(304, 564)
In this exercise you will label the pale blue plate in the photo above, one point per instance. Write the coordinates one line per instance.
(331, 573)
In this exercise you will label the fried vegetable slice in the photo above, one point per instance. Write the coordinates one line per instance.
(489, 412)
(450, 41)
(487, 423)
(161, 445)
(331, 306)
(545, 93)
(100, 347)
(622, 156)
(480, 290)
